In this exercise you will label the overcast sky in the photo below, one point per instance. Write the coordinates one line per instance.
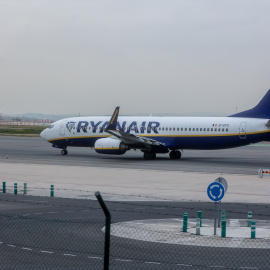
(175, 57)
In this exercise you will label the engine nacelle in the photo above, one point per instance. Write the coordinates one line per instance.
(110, 146)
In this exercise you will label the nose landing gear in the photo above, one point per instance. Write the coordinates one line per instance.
(64, 152)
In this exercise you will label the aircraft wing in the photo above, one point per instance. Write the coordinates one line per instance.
(132, 139)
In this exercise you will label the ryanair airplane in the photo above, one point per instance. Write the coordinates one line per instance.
(154, 135)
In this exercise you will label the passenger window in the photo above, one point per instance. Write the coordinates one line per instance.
(215, 129)
(197, 129)
(166, 128)
(219, 129)
(189, 129)
(223, 130)
(185, 129)
(227, 129)
(204, 129)
(208, 129)
(193, 129)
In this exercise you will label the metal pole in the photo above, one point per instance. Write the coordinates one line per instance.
(107, 230)
(4, 187)
(25, 188)
(219, 213)
(215, 220)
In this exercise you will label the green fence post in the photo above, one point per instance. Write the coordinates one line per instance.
(223, 228)
(52, 190)
(25, 188)
(249, 218)
(185, 222)
(223, 215)
(253, 229)
(4, 187)
(200, 217)
(15, 188)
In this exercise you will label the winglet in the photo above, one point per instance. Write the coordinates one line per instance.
(113, 122)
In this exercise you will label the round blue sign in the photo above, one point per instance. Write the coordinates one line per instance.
(216, 191)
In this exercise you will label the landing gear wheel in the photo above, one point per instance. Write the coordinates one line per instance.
(149, 155)
(64, 152)
(175, 154)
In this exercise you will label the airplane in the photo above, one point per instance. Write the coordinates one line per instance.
(159, 135)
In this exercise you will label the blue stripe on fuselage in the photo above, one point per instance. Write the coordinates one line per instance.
(203, 142)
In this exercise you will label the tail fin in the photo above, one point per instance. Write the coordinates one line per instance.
(113, 122)
(262, 110)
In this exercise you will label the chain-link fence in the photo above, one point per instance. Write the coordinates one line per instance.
(58, 233)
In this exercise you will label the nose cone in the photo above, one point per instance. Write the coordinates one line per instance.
(43, 134)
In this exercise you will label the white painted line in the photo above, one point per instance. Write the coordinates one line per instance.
(216, 266)
(99, 258)
(26, 248)
(11, 246)
(1, 243)
(121, 260)
(72, 255)
(45, 251)
(180, 264)
(153, 262)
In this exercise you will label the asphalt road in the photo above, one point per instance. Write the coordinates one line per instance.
(57, 233)
(244, 160)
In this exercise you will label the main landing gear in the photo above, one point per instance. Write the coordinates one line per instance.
(149, 155)
(64, 152)
(175, 154)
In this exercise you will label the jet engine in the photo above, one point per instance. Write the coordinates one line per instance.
(110, 146)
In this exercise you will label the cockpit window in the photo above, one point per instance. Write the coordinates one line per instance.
(51, 126)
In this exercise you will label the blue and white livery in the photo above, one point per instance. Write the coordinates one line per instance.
(153, 135)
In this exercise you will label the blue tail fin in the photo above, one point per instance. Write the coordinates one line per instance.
(113, 122)
(262, 110)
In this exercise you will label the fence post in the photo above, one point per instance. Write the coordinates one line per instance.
(15, 188)
(249, 218)
(52, 190)
(185, 222)
(4, 187)
(107, 230)
(223, 228)
(200, 217)
(25, 188)
(253, 229)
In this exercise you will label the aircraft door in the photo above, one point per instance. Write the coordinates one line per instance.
(62, 128)
(242, 130)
